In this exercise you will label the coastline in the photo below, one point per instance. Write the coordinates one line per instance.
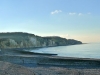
(44, 58)
(54, 65)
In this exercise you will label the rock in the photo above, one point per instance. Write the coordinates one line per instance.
(26, 40)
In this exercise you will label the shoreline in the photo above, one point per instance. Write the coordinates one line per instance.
(52, 65)
(24, 57)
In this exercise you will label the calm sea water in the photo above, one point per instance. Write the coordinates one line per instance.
(84, 51)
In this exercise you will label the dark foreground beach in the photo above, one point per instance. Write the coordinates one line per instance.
(16, 62)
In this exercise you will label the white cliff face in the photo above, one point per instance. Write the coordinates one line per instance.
(51, 43)
(33, 40)
(24, 40)
(12, 42)
(21, 44)
(44, 44)
(9, 43)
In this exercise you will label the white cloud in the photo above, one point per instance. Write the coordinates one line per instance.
(80, 14)
(56, 11)
(72, 13)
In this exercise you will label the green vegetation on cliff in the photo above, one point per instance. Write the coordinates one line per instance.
(26, 40)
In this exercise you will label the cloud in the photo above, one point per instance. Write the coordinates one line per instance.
(56, 11)
(72, 13)
(80, 14)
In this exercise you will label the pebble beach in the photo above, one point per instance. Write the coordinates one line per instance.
(10, 68)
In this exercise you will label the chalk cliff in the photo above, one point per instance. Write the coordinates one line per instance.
(26, 40)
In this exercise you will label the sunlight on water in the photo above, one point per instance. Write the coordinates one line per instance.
(83, 51)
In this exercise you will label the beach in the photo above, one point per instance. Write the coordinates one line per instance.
(48, 64)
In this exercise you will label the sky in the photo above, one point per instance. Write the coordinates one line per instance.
(71, 19)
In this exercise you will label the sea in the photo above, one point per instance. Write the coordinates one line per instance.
(90, 50)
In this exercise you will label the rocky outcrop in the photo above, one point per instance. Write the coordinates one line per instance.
(26, 40)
